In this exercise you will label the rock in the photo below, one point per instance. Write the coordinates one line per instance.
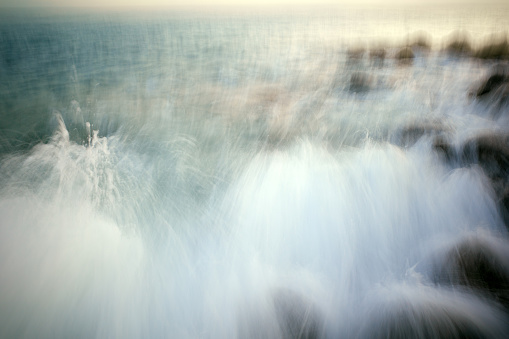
(494, 90)
(297, 317)
(377, 56)
(405, 55)
(282, 313)
(356, 53)
(492, 83)
(359, 82)
(491, 152)
(503, 203)
(459, 48)
(421, 312)
(494, 49)
(501, 95)
(408, 135)
(354, 56)
(442, 146)
(459, 45)
(501, 189)
(480, 263)
(420, 40)
(421, 43)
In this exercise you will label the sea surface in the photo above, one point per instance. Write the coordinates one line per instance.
(251, 174)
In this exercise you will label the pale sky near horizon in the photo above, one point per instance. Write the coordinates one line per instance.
(187, 3)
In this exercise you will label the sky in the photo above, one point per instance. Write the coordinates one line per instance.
(186, 3)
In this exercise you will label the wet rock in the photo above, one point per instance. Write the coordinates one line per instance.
(459, 45)
(491, 152)
(410, 134)
(377, 56)
(494, 90)
(296, 316)
(494, 49)
(359, 82)
(355, 57)
(421, 42)
(356, 53)
(444, 148)
(438, 323)
(501, 95)
(499, 100)
(503, 203)
(459, 48)
(405, 55)
(501, 195)
(480, 263)
(494, 82)
(426, 313)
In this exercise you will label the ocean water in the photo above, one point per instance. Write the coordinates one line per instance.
(210, 174)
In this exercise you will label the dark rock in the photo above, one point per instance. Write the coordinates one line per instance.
(494, 49)
(377, 56)
(378, 53)
(408, 135)
(501, 195)
(405, 55)
(359, 82)
(480, 263)
(297, 316)
(355, 56)
(421, 43)
(491, 152)
(425, 313)
(492, 83)
(444, 148)
(438, 323)
(494, 90)
(459, 45)
(459, 48)
(420, 40)
(503, 203)
(501, 96)
(356, 53)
